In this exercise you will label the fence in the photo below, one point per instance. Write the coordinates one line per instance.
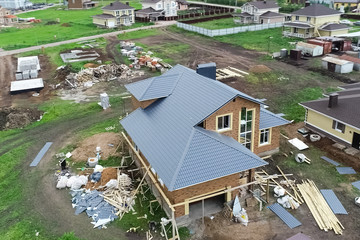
(227, 31)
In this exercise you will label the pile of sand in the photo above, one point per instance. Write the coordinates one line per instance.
(106, 175)
(87, 148)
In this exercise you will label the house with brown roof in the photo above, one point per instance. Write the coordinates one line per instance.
(6, 17)
(115, 14)
(81, 4)
(314, 21)
(197, 138)
(260, 12)
(337, 116)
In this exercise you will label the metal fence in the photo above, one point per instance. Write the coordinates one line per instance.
(227, 31)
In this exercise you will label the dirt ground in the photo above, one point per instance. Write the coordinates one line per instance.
(7, 74)
(87, 148)
(11, 118)
(106, 175)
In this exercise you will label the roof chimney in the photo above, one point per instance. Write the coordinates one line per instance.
(307, 3)
(264, 1)
(333, 100)
(207, 70)
(127, 3)
(111, 4)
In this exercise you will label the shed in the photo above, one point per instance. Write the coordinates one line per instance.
(337, 65)
(326, 45)
(355, 60)
(338, 44)
(310, 49)
(24, 85)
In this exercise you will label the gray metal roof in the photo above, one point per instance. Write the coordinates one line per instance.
(165, 132)
(316, 10)
(264, 4)
(269, 119)
(333, 26)
(298, 25)
(333, 201)
(284, 215)
(329, 160)
(153, 88)
(346, 170)
(356, 184)
(104, 16)
(270, 14)
(117, 6)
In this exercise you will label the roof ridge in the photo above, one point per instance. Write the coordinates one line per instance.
(173, 180)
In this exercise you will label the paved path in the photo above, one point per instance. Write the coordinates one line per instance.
(21, 50)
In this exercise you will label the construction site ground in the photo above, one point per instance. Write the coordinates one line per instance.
(51, 209)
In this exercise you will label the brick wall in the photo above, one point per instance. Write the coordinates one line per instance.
(75, 4)
(274, 143)
(234, 107)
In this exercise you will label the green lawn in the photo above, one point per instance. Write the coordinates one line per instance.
(73, 24)
(218, 24)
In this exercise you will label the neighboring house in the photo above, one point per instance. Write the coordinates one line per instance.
(6, 17)
(198, 135)
(338, 116)
(314, 21)
(182, 5)
(115, 14)
(81, 4)
(15, 4)
(149, 13)
(352, 4)
(256, 9)
(168, 6)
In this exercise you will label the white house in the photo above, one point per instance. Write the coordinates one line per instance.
(256, 9)
(15, 4)
(169, 6)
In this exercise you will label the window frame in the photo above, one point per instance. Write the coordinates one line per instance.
(229, 123)
(265, 131)
(246, 131)
(297, 18)
(337, 124)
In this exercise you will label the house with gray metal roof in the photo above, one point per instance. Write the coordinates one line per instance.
(336, 116)
(315, 20)
(115, 14)
(267, 9)
(198, 135)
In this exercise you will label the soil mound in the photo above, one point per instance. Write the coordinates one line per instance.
(11, 118)
(259, 69)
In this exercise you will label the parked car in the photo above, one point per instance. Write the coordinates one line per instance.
(357, 23)
(347, 22)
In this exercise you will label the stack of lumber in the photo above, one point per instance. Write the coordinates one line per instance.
(122, 196)
(324, 216)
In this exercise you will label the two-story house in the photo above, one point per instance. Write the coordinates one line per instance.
(314, 21)
(115, 14)
(6, 17)
(337, 116)
(197, 137)
(15, 4)
(260, 12)
(169, 7)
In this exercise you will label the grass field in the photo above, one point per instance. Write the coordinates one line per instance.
(73, 24)
(218, 24)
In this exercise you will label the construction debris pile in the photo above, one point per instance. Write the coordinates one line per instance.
(93, 203)
(88, 77)
(324, 216)
(139, 58)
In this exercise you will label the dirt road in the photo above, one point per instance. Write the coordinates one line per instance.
(7, 74)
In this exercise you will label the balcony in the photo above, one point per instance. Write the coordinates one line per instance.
(298, 35)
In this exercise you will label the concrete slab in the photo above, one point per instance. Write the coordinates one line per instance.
(40, 155)
(351, 151)
(339, 146)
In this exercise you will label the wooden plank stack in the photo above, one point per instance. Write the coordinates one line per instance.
(324, 216)
(122, 196)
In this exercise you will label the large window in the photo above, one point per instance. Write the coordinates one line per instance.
(264, 136)
(297, 18)
(246, 127)
(338, 126)
(224, 122)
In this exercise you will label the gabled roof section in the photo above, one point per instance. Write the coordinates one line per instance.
(117, 6)
(153, 88)
(210, 155)
(316, 10)
(166, 131)
(270, 14)
(333, 26)
(264, 4)
(269, 119)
